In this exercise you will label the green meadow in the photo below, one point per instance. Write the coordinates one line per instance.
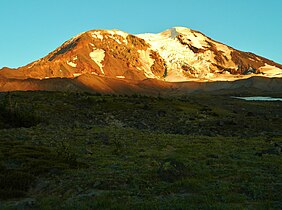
(69, 151)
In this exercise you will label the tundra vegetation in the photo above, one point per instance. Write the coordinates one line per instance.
(62, 150)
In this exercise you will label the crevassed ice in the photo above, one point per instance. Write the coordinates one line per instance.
(175, 55)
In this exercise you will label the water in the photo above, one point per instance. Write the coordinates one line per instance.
(259, 98)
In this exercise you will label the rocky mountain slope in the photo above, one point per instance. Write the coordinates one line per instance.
(175, 55)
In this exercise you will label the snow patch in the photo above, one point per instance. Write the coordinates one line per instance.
(76, 74)
(118, 32)
(98, 55)
(120, 77)
(70, 63)
(97, 35)
(118, 41)
(30, 66)
(147, 62)
(196, 39)
(271, 71)
(75, 37)
(122, 34)
(115, 38)
(226, 52)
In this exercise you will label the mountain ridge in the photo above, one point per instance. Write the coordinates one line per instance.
(175, 55)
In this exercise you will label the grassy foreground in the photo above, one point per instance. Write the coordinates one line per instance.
(84, 151)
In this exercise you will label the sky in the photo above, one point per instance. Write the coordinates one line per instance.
(30, 29)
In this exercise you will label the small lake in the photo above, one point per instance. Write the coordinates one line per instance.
(259, 98)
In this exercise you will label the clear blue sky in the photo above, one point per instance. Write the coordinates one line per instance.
(30, 29)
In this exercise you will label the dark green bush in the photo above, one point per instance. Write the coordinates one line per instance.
(171, 170)
(17, 115)
(15, 180)
(8, 194)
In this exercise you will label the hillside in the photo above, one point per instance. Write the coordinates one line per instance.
(83, 151)
(111, 120)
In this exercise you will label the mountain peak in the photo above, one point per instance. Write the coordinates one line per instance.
(175, 31)
(174, 55)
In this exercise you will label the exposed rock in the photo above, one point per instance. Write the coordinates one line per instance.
(112, 61)
(159, 67)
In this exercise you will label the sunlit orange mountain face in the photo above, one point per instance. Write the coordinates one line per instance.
(176, 61)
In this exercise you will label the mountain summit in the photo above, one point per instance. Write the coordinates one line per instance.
(176, 55)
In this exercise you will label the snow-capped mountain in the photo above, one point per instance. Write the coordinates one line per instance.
(190, 54)
(176, 55)
(106, 53)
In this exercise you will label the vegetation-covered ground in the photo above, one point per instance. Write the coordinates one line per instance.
(83, 151)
